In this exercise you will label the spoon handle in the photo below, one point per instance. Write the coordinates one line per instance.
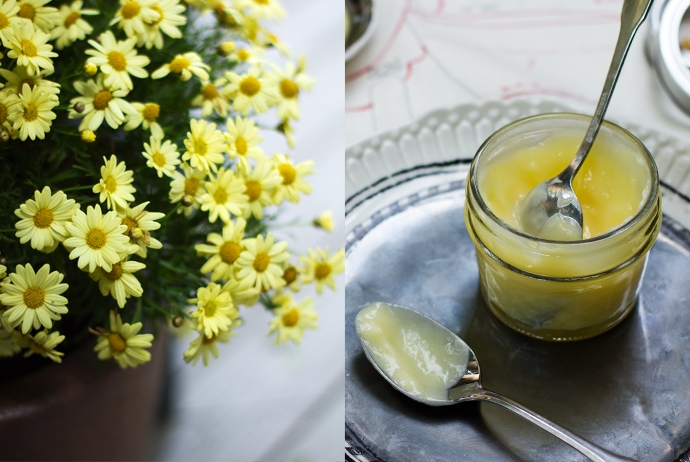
(632, 15)
(590, 450)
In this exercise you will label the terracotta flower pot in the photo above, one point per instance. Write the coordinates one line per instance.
(82, 409)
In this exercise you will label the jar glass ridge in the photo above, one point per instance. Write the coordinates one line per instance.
(560, 290)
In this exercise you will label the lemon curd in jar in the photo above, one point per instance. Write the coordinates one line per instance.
(557, 290)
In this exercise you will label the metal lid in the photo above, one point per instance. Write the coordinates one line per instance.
(669, 21)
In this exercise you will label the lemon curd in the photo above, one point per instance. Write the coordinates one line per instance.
(556, 290)
(416, 353)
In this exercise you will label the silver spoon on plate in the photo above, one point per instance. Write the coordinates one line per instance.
(427, 362)
(551, 210)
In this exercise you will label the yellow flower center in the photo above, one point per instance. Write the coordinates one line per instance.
(250, 86)
(151, 111)
(130, 9)
(210, 309)
(322, 270)
(290, 274)
(117, 343)
(115, 273)
(36, 348)
(28, 48)
(131, 224)
(243, 55)
(288, 173)
(241, 145)
(43, 218)
(101, 100)
(220, 196)
(117, 61)
(95, 239)
(253, 190)
(209, 91)
(229, 252)
(157, 9)
(191, 186)
(288, 88)
(3, 113)
(4, 22)
(200, 147)
(30, 112)
(110, 184)
(179, 64)
(34, 297)
(291, 318)
(261, 262)
(27, 11)
(71, 19)
(158, 159)
(261, 2)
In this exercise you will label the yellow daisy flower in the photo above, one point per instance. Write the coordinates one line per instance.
(291, 319)
(250, 55)
(96, 239)
(33, 298)
(204, 347)
(123, 343)
(224, 252)
(134, 14)
(188, 187)
(273, 41)
(185, 64)
(71, 26)
(43, 219)
(115, 186)
(292, 177)
(212, 98)
(44, 17)
(324, 221)
(286, 129)
(290, 82)
(241, 292)
(260, 264)
(100, 102)
(291, 277)
(20, 75)
(260, 184)
(171, 18)
(8, 15)
(118, 60)
(119, 282)
(43, 343)
(320, 268)
(205, 146)
(8, 344)
(146, 115)
(33, 116)
(161, 156)
(139, 224)
(215, 311)
(269, 9)
(243, 141)
(251, 91)
(29, 46)
(224, 195)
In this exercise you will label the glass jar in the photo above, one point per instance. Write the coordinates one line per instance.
(555, 290)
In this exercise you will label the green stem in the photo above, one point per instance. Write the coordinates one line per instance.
(77, 188)
(177, 206)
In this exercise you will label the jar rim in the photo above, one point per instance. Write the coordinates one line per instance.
(649, 203)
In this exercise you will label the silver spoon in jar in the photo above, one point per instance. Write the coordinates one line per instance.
(437, 368)
(551, 210)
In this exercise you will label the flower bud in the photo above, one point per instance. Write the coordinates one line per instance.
(90, 69)
(4, 136)
(79, 107)
(177, 321)
(187, 200)
(226, 48)
(87, 136)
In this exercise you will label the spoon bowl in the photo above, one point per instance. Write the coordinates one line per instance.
(404, 329)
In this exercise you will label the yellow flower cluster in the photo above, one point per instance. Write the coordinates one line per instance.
(222, 172)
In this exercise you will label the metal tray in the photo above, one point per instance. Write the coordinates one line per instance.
(627, 390)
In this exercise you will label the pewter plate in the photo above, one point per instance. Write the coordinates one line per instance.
(627, 390)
